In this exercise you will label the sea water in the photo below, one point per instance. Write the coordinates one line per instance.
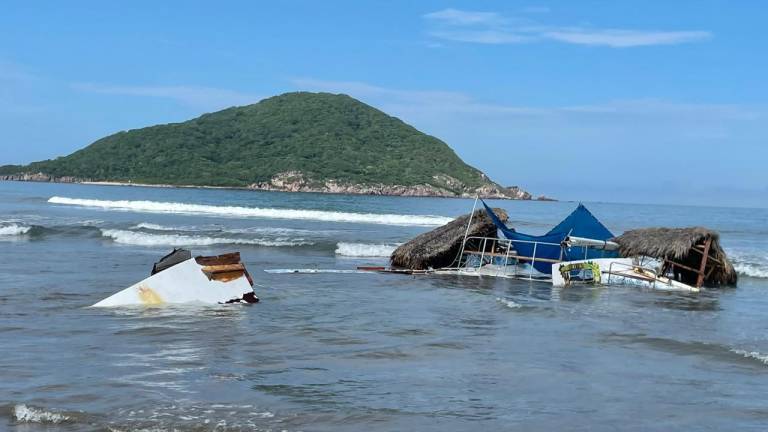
(347, 351)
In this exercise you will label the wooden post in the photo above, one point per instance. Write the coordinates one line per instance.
(703, 266)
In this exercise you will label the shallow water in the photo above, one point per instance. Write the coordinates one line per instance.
(347, 351)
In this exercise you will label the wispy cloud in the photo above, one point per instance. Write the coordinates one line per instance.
(482, 36)
(193, 96)
(608, 133)
(463, 18)
(624, 38)
(438, 101)
(495, 28)
(537, 9)
(398, 100)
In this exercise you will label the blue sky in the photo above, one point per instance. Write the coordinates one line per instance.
(644, 101)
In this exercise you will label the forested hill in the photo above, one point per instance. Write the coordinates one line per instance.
(295, 141)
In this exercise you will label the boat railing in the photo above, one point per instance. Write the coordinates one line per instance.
(492, 247)
(648, 275)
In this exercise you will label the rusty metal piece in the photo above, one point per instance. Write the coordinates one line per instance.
(223, 268)
(229, 258)
(224, 272)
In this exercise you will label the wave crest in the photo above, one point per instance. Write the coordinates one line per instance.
(763, 358)
(155, 227)
(146, 239)
(14, 230)
(751, 270)
(25, 414)
(751, 263)
(256, 212)
(365, 250)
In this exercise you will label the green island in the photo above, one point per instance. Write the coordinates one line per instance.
(312, 142)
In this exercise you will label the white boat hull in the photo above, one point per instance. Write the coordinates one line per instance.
(185, 282)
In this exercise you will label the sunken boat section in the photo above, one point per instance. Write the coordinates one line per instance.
(578, 249)
(693, 255)
(442, 246)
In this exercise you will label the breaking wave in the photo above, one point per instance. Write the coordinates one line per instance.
(751, 270)
(751, 263)
(256, 212)
(155, 227)
(14, 230)
(365, 250)
(146, 239)
(26, 414)
(762, 358)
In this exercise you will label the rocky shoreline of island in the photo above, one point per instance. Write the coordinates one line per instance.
(298, 184)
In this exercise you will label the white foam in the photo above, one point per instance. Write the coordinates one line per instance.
(13, 230)
(751, 270)
(23, 413)
(365, 250)
(275, 231)
(508, 303)
(256, 212)
(146, 239)
(763, 358)
(750, 262)
(154, 227)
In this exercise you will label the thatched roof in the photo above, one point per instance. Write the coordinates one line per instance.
(441, 246)
(676, 244)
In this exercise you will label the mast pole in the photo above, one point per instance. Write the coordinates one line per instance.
(469, 223)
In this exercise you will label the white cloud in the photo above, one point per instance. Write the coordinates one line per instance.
(624, 38)
(439, 101)
(193, 96)
(510, 142)
(463, 18)
(398, 100)
(482, 36)
(494, 28)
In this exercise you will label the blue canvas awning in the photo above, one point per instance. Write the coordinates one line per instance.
(580, 223)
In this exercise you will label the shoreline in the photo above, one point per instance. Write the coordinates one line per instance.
(255, 189)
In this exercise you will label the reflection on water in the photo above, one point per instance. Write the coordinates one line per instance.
(350, 352)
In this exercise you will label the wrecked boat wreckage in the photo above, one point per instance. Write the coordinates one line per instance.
(580, 249)
(178, 278)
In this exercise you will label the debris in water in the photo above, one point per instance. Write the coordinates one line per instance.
(179, 278)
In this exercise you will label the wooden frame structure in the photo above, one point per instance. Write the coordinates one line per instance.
(701, 272)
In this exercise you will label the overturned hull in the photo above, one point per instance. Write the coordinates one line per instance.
(179, 278)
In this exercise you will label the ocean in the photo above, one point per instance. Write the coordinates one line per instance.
(351, 351)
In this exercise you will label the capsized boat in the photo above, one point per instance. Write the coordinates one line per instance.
(180, 278)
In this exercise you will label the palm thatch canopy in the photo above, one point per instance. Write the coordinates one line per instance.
(441, 246)
(684, 246)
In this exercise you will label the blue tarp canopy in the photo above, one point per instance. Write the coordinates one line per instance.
(580, 223)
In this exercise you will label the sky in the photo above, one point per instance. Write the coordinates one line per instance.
(618, 101)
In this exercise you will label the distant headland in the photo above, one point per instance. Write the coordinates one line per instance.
(295, 142)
